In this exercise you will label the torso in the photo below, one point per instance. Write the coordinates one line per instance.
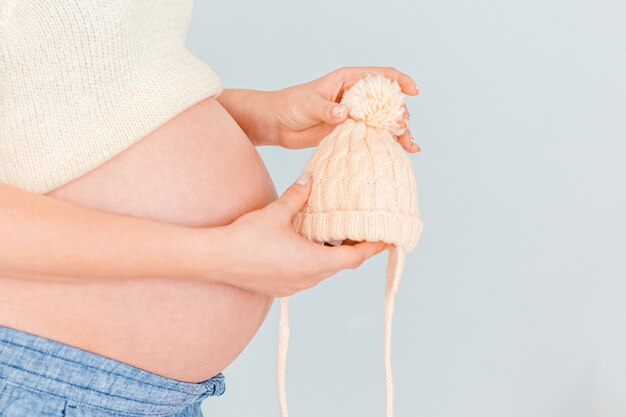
(197, 169)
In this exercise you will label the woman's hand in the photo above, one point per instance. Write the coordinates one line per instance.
(262, 252)
(304, 114)
(301, 116)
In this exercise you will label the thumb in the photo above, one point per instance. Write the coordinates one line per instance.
(329, 111)
(296, 195)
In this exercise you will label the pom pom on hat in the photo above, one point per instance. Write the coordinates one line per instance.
(376, 101)
(363, 189)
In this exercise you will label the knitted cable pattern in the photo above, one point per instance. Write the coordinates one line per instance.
(363, 189)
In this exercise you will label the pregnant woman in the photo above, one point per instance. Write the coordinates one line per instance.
(142, 241)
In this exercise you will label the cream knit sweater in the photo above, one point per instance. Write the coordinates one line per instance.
(81, 80)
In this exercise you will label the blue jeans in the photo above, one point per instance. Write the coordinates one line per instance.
(40, 377)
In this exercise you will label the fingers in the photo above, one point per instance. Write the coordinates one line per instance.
(408, 143)
(350, 256)
(322, 261)
(294, 197)
(405, 118)
(350, 75)
(406, 139)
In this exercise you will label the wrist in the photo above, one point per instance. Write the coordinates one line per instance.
(254, 112)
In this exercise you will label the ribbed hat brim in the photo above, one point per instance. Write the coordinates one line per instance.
(396, 228)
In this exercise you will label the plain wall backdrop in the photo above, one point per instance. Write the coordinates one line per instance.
(513, 302)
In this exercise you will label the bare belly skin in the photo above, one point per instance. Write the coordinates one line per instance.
(197, 169)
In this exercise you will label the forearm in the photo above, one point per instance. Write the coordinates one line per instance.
(250, 110)
(48, 239)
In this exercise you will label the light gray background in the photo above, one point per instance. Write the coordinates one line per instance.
(512, 304)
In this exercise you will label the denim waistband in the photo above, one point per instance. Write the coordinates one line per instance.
(86, 378)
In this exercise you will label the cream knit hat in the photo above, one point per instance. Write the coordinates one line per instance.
(363, 188)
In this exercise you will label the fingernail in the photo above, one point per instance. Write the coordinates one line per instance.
(335, 242)
(417, 88)
(338, 110)
(304, 177)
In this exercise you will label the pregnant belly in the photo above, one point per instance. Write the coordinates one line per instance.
(198, 169)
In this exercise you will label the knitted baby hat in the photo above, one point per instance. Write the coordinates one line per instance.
(363, 188)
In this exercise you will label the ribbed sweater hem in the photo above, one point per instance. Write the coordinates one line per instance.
(83, 139)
